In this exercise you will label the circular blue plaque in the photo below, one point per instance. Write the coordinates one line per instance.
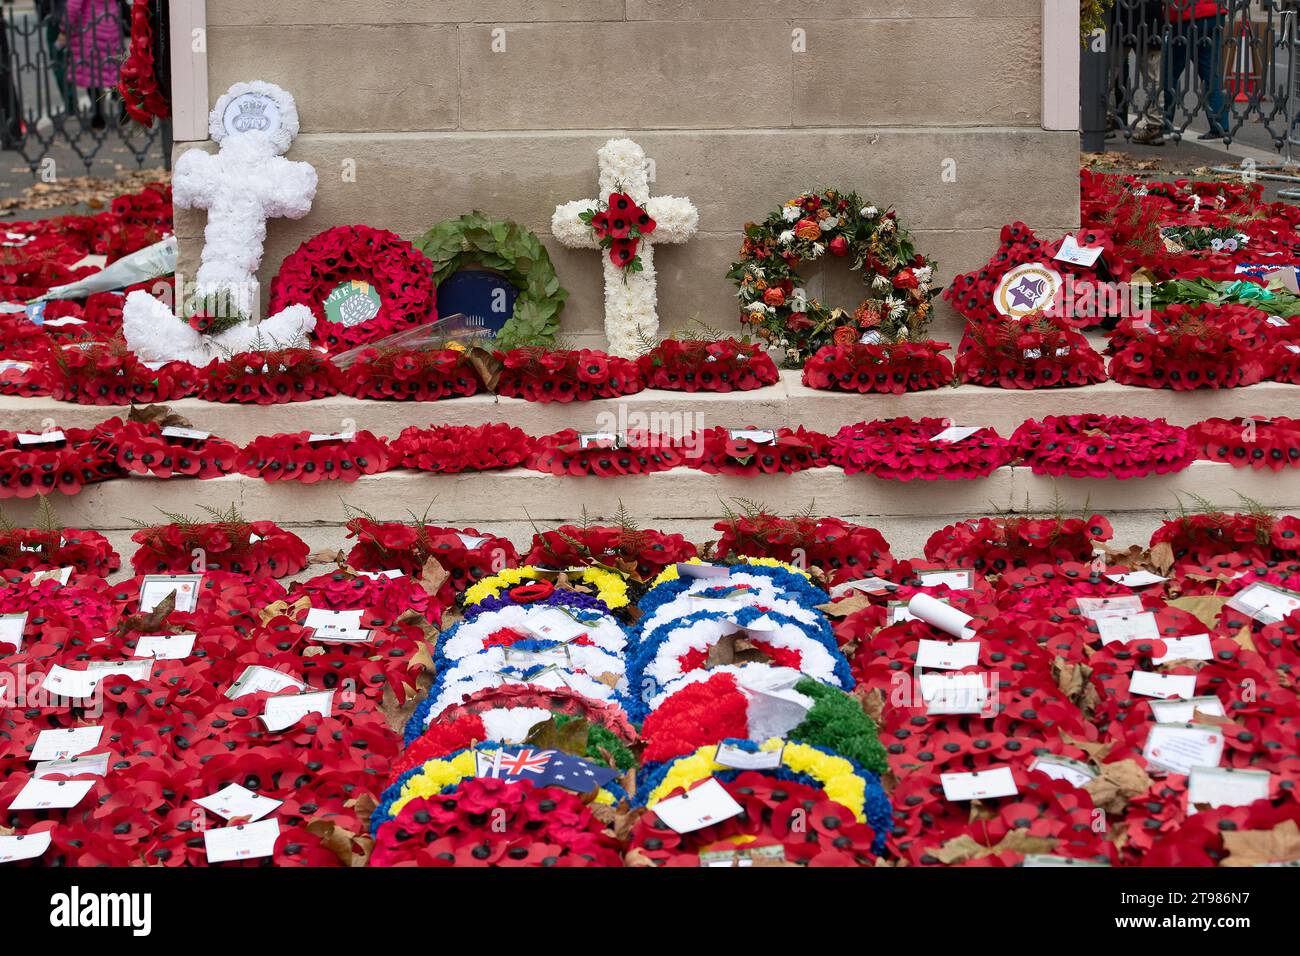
(484, 297)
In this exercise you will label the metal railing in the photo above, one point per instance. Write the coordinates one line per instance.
(59, 65)
(1164, 67)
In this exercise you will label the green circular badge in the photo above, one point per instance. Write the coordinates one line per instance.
(352, 303)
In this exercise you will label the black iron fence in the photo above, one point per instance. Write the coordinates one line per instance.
(1213, 69)
(59, 66)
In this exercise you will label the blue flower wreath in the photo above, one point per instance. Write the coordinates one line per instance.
(793, 586)
(643, 654)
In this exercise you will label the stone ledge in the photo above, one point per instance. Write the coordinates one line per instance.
(788, 403)
(517, 495)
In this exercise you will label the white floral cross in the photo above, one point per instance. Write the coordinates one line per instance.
(631, 299)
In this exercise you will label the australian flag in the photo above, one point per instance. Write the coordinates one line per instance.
(544, 768)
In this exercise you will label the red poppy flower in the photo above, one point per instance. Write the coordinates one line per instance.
(622, 252)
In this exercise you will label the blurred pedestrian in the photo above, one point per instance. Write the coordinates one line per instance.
(94, 41)
(1197, 35)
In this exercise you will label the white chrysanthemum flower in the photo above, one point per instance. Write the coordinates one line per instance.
(880, 283)
(791, 212)
(756, 307)
(829, 223)
(786, 237)
(818, 248)
(869, 212)
(923, 274)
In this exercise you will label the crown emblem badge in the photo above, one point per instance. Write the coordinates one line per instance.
(252, 116)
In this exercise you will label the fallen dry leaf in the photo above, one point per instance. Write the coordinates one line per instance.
(1073, 680)
(1161, 557)
(850, 605)
(1117, 784)
(350, 848)
(965, 848)
(571, 738)
(487, 365)
(872, 701)
(1254, 847)
(283, 608)
(1245, 639)
(151, 622)
(161, 415)
(95, 191)
(413, 618)
(637, 857)
(433, 575)
(1135, 558)
(363, 806)
(1096, 751)
(620, 819)
(1204, 607)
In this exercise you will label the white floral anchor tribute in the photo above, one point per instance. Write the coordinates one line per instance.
(247, 181)
(626, 224)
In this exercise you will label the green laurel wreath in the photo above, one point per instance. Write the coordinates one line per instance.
(514, 251)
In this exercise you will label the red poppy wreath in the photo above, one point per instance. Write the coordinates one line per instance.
(1286, 361)
(695, 365)
(451, 449)
(110, 375)
(142, 97)
(540, 375)
(1248, 442)
(1102, 446)
(926, 448)
(362, 285)
(844, 551)
(757, 451)
(891, 369)
(270, 378)
(165, 451)
(635, 453)
(309, 458)
(408, 375)
(23, 377)
(38, 549)
(256, 548)
(992, 545)
(62, 461)
(1190, 347)
(1036, 351)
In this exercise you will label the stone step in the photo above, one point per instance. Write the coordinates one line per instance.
(788, 403)
(512, 502)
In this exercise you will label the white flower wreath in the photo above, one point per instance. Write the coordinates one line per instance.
(470, 636)
(451, 694)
